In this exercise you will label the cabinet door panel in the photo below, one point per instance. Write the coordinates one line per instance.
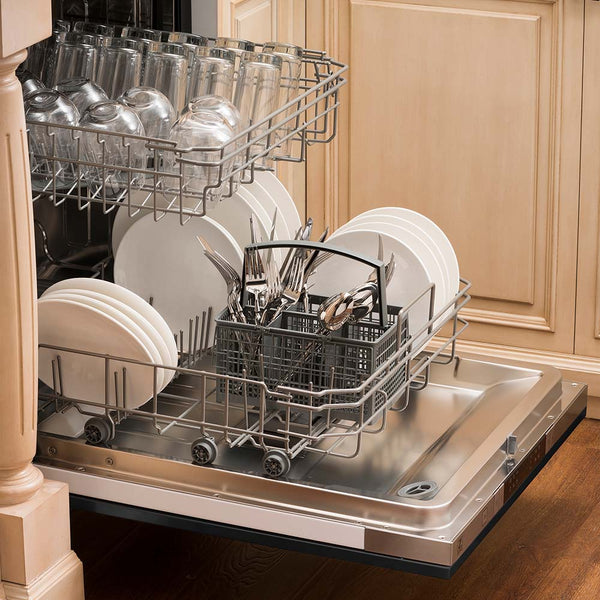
(468, 111)
(587, 337)
(262, 21)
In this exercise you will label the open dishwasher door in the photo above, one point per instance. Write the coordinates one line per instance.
(419, 496)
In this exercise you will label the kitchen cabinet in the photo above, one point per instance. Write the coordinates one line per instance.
(263, 21)
(483, 115)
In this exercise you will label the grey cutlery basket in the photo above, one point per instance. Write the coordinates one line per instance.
(294, 356)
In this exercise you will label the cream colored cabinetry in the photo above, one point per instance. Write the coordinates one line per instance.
(263, 21)
(470, 111)
(587, 338)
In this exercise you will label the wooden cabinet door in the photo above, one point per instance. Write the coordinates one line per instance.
(263, 21)
(587, 337)
(469, 112)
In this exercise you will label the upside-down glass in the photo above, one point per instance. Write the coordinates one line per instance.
(200, 135)
(189, 41)
(211, 73)
(40, 56)
(256, 95)
(291, 69)
(238, 47)
(139, 33)
(94, 28)
(75, 57)
(29, 82)
(81, 92)
(47, 143)
(165, 69)
(113, 155)
(231, 114)
(153, 108)
(119, 66)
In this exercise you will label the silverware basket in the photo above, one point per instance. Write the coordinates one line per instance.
(295, 354)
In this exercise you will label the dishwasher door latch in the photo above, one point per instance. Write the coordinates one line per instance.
(510, 447)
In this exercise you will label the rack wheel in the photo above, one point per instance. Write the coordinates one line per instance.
(276, 463)
(204, 451)
(97, 431)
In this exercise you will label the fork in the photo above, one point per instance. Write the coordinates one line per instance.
(292, 287)
(231, 277)
(255, 275)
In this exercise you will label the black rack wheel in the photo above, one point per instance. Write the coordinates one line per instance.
(276, 463)
(97, 430)
(204, 451)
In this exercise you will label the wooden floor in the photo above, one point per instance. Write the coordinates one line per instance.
(546, 547)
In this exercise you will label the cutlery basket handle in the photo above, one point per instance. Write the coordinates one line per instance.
(377, 264)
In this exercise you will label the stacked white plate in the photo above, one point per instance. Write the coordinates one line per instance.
(97, 316)
(164, 261)
(423, 256)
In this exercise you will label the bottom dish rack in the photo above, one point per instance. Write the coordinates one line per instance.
(284, 421)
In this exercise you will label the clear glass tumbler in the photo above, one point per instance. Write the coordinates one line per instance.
(166, 69)
(211, 73)
(190, 41)
(119, 66)
(202, 139)
(29, 82)
(94, 28)
(81, 92)
(119, 159)
(291, 70)
(40, 56)
(237, 46)
(153, 108)
(232, 115)
(256, 96)
(139, 33)
(75, 57)
(51, 149)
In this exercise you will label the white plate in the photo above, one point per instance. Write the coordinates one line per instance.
(123, 221)
(164, 356)
(414, 238)
(410, 278)
(163, 260)
(429, 227)
(282, 231)
(121, 317)
(127, 297)
(279, 193)
(71, 324)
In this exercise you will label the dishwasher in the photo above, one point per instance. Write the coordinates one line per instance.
(407, 468)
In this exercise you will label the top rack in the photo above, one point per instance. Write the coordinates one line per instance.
(310, 118)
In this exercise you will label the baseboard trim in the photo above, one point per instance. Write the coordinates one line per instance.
(583, 369)
(63, 581)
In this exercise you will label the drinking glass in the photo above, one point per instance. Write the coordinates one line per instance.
(29, 82)
(139, 33)
(94, 28)
(211, 73)
(40, 56)
(47, 143)
(111, 148)
(75, 57)
(231, 114)
(189, 41)
(81, 92)
(237, 46)
(197, 135)
(153, 108)
(256, 95)
(166, 69)
(119, 66)
(291, 69)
